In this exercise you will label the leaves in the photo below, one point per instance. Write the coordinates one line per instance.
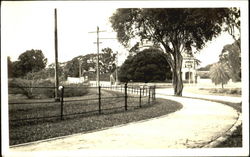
(231, 57)
(147, 65)
(219, 74)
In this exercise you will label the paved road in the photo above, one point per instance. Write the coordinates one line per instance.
(198, 123)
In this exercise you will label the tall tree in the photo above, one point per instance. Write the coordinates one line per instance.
(218, 74)
(231, 57)
(31, 61)
(176, 30)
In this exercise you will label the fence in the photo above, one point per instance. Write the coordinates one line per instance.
(95, 100)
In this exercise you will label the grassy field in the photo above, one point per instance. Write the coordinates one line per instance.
(76, 122)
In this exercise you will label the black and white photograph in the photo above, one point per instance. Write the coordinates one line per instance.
(124, 78)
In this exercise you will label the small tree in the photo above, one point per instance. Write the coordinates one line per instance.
(219, 74)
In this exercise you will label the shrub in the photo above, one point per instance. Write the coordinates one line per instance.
(73, 90)
(236, 91)
(47, 90)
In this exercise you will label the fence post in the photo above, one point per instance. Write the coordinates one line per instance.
(126, 96)
(148, 95)
(140, 98)
(99, 98)
(62, 92)
(154, 91)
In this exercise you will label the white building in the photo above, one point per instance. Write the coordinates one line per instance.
(189, 73)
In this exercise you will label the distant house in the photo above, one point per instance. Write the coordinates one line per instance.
(189, 68)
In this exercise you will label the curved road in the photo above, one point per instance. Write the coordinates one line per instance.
(197, 124)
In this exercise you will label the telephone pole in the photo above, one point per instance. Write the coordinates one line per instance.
(98, 42)
(116, 70)
(97, 62)
(56, 60)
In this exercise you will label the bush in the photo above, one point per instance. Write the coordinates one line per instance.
(236, 91)
(73, 90)
(46, 90)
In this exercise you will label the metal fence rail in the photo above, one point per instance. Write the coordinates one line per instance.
(126, 98)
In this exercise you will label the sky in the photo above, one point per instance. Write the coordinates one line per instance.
(30, 25)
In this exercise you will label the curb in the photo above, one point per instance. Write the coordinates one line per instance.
(224, 137)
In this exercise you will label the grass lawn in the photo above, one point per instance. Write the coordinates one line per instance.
(33, 130)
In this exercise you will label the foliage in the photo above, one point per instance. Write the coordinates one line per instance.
(107, 61)
(234, 91)
(26, 87)
(29, 61)
(88, 63)
(146, 66)
(177, 30)
(45, 88)
(231, 57)
(74, 90)
(233, 23)
(218, 73)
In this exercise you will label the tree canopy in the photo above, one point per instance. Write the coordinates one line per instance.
(88, 62)
(177, 30)
(231, 57)
(29, 61)
(148, 65)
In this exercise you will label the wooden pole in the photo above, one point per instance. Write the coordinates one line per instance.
(98, 73)
(56, 60)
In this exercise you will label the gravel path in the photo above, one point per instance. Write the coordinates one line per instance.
(197, 124)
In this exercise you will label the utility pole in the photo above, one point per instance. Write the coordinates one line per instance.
(98, 42)
(80, 71)
(116, 70)
(56, 60)
(97, 62)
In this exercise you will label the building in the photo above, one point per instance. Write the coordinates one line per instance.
(189, 73)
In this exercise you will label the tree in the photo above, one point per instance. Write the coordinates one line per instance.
(146, 66)
(218, 74)
(88, 62)
(30, 61)
(107, 61)
(231, 57)
(176, 30)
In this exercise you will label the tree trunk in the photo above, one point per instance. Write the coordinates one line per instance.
(175, 61)
(177, 78)
(222, 86)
